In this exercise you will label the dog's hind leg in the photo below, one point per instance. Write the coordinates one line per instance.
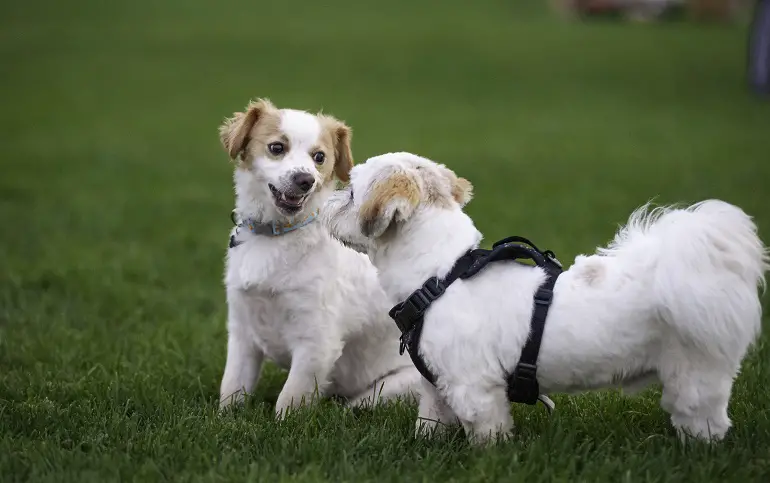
(434, 415)
(484, 410)
(696, 395)
(403, 383)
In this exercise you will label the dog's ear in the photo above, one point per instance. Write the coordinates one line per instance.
(343, 156)
(391, 200)
(234, 132)
(462, 189)
(341, 136)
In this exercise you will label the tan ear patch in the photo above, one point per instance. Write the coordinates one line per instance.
(339, 137)
(462, 191)
(398, 193)
(235, 132)
(343, 154)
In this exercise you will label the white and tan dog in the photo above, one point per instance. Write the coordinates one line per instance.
(672, 299)
(295, 295)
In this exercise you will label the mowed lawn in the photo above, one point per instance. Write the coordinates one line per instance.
(115, 199)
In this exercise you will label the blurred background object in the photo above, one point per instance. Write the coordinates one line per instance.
(759, 48)
(650, 10)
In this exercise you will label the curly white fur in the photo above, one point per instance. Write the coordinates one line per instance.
(672, 299)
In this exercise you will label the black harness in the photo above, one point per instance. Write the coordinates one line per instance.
(409, 314)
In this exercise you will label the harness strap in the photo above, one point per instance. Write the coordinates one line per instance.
(522, 383)
(411, 344)
(409, 314)
(409, 317)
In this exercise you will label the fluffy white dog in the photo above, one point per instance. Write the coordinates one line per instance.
(672, 299)
(294, 294)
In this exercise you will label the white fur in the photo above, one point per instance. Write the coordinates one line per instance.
(672, 299)
(253, 198)
(302, 299)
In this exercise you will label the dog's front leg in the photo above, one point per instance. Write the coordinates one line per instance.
(434, 415)
(244, 363)
(311, 365)
(483, 409)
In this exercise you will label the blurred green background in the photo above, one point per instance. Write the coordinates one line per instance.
(115, 199)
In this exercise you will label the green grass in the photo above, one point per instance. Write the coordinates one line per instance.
(115, 200)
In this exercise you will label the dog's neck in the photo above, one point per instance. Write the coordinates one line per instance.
(427, 245)
(253, 202)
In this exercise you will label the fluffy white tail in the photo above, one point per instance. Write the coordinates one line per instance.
(707, 264)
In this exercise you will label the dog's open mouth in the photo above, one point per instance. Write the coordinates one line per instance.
(288, 202)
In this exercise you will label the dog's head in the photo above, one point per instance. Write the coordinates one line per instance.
(386, 192)
(287, 156)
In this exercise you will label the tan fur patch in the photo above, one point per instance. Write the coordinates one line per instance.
(249, 131)
(265, 131)
(335, 139)
(436, 196)
(398, 187)
(246, 135)
(593, 274)
(589, 269)
(462, 191)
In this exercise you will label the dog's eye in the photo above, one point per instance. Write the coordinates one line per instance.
(276, 148)
(351, 194)
(319, 157)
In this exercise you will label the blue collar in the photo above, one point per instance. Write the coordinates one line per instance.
(273, 228)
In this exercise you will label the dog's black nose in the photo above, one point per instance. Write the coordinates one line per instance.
(303, 181)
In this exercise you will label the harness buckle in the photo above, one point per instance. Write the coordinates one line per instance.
(543, 296)
(523, 386)
(414, 307)
(434, 288)
(403, 341)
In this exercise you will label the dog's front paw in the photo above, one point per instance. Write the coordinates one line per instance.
(282, 407)
(281, 412)
(230, 400)
(431, 428)
(488, 438)
(435, 428)
(426, 428)
(287, 404)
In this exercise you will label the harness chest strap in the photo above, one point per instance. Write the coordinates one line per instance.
(409, 315)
